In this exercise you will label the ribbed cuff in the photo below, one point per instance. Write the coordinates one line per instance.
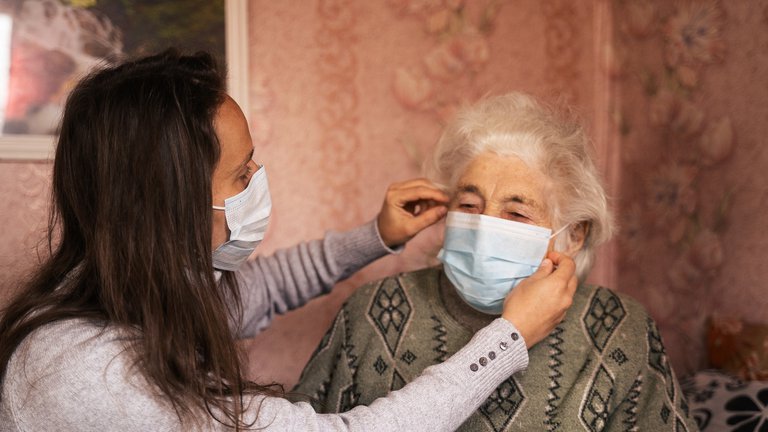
(390, 250)
(495, 353)
(358, 247)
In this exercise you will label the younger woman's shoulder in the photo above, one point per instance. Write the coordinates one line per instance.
(68, 354)
(64, 342)
(68, 367)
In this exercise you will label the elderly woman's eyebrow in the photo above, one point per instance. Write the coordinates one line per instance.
(469, 188)
(520, 199)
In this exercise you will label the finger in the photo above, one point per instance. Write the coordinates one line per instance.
(427, 218)
(416, 208)
(417, 182)
(418, 193)
(409, 183)
(544, 270)
(566, 268)
(573, 283)
(556, 257)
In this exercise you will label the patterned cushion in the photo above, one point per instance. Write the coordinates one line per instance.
(721, 402)
(739, 347)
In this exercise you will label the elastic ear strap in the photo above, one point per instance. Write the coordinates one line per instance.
(559, 231)
(218, 208)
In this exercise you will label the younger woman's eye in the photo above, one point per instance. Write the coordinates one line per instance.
(247, 175)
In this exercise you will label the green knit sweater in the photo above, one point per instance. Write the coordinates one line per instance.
(602, 368)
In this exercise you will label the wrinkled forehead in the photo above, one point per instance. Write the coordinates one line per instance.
(504, 178)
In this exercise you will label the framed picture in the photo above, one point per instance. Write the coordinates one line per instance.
(47, 45)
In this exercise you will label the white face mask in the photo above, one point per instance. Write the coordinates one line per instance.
(247, 216)
(486, 257)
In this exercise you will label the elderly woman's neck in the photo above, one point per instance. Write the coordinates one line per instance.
(460, 310)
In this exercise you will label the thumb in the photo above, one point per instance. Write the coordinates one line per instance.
(544, 270)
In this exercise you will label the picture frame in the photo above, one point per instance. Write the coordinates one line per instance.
(34, 147)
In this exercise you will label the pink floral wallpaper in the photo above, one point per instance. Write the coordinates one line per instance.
(347, 97)
(24, 190)
(690, 113)
(357, 95)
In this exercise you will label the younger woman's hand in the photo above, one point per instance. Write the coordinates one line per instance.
(539, 303)
(408, 208)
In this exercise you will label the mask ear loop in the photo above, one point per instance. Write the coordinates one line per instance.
(559, 231)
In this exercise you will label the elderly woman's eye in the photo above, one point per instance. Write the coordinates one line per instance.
(468, 206)
(247, 174)
(517, 215)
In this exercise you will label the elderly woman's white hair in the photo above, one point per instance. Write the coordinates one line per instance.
(515, 124)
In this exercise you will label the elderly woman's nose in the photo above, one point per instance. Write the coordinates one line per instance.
(492, 210)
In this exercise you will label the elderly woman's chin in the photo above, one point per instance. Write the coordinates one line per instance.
(499, 229)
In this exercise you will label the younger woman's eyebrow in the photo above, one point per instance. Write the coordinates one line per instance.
(243, 163)
(249, 158)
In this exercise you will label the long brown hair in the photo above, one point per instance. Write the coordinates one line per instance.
(132, 213)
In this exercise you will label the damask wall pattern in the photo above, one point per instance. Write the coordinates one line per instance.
(25, 191)
(359, 93)
(564, 42)
(694, 191)
(336, 68)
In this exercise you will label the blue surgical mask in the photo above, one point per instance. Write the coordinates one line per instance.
(486, 257)
(247, 216)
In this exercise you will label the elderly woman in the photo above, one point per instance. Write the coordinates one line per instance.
(523, 184)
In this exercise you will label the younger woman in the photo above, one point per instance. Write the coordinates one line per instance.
(131, 324)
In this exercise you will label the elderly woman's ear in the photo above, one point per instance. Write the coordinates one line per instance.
(577, 235)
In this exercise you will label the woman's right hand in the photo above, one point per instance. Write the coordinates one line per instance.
(540, 302)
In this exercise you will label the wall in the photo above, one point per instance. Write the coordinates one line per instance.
(24, 190)
(690, 113)
(352, 96)
(347, 97)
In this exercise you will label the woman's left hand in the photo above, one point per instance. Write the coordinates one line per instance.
(408, 208)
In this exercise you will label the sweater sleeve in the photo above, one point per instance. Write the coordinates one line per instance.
(73, 376)
(440, 399)
(275, 284)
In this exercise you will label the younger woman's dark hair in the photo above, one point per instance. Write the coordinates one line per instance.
(132, 215)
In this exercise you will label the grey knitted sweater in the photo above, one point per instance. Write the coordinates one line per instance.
(76, 375)
(602, 369)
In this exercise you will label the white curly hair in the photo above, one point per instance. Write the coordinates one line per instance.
(545, 139)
